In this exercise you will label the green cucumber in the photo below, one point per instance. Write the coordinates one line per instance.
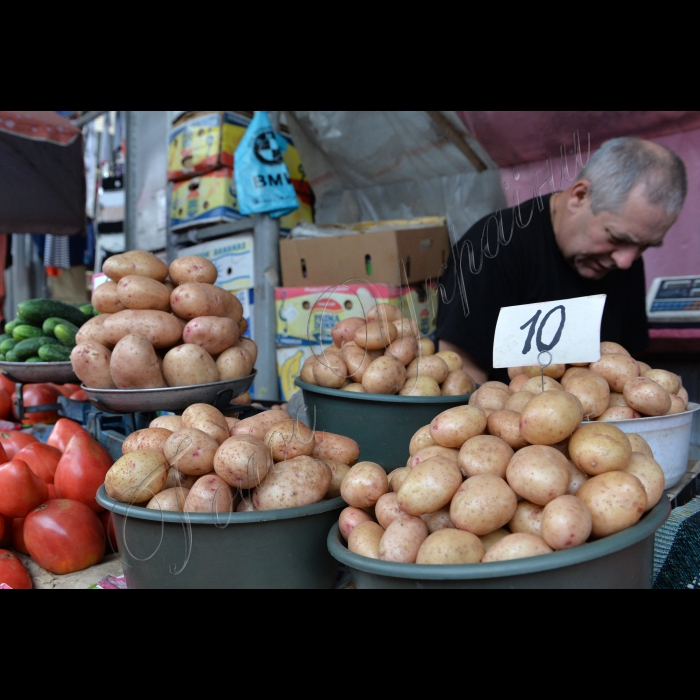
(54, 353)
(34, 359)
(65, 334)
(38, 310)
(27, 348)
(25, 331)
(11, 357)
(88, 309)
(2, 357)
(9, 327)
(4, 336)
(51, 323)
(7, 345)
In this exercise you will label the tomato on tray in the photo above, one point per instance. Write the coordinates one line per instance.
(13, 441)
(41, 458)
(62, 432)
(12, 571)
(21, 490)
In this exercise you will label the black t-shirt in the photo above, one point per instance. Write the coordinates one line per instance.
(529, 269)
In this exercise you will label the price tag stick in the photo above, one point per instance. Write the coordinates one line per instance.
(543, 367)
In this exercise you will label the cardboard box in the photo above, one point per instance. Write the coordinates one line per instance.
(393, 256)
(246, 297)
(233, 258)
(420, 302)
(211, 199)
(289, 363)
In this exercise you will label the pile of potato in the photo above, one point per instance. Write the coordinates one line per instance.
(206, 462)
(385, 354)
(616, 387)
(161, 326)
(488, 483)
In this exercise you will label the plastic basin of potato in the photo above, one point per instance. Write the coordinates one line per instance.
(668, 437)
(623, 560)
(263, 549)
(382, 425)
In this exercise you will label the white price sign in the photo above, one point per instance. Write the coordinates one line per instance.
(568, 329)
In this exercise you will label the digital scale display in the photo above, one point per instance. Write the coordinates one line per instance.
(674, 300)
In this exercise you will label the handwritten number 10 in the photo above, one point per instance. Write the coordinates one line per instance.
(543, 347)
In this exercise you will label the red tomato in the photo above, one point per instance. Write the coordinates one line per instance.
(7, 384)
(12, 571)
(18, 535)
(42, 459)
(52, 492)
(38, 395)
(72, 388)
(21, 490)
(13, 441)
(64, 536)
(108, 524)
(3, 455)
(62, 432)
(5, 405)
(2, 527)
(82, 470)
(6, 527)
(61, 388)
(79, 395)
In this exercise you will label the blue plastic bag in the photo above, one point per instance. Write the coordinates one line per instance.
(263, 184)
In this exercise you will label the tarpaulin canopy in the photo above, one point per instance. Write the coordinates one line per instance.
(42, 174)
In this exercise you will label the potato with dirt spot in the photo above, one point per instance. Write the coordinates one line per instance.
(289, 439)
(335, 447)
(384, 312)
(193, 299)
(420, 440)
(406, 328)
(432, 366)
(105, 298)
(599, 447)
(192, 268)
(403, 349)
(92, 331)
(387, 509)
(484, 454)
(169, 422)
(453, 427)
(135, 365)
(191, 451)
(187, 365)
(429, 486)
(647, 397)
(648, 471)
(457, 383)
(402, 539)
(527, 518)
(493, 398)
(357, 360)
(259, 424)
(172, 499)
(550, 417)
(351, 517)
(364, 485)
(505, 425)
(242, 462)
(233, 363)
(330, 371)
(452, 359)
(385, 375)
(161, 329)
(296, 482)
(538, 473)
(364, 539)
(668, 380)
(616, 369)
(90, 363)
(139, 292)
(450, 546)
(592, 391)
(146, 439)
(517, 546)
(566, 522)
(482, 504)
(135, 262)
(376, 335)
(206, 418)
(136, 477)
(344, 331)
(210, 494)
(213, 333)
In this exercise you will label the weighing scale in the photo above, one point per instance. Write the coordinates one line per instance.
(674, 302)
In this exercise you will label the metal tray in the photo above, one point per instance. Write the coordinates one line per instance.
(35, 372)
(174, 398)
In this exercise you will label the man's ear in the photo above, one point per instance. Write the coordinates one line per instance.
(578, 196)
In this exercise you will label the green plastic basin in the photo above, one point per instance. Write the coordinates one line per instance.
(623, 560)
(382, 425)
(263, 549)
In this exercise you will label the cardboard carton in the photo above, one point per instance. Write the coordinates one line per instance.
(233, 258)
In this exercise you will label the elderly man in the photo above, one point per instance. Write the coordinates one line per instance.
(585, 240)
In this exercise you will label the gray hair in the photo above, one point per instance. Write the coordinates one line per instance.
(620, 164)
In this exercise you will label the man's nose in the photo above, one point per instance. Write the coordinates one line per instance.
(624, 257)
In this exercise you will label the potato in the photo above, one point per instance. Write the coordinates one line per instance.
(187, 365)
(429, 486)
(616, 500)
(550, 417)
(616, 399)
(420, 386)
(517, 383)
(609, 348)
(90, 363)
(527, 518)
(576, 478)
(450, 547)
(453, 427)
(538, 473)
(591, 390)
(452, 359)
(407, 327)
(175, 479)
(248, 345)
(136, 477)
(385, 375)
(364, 485)
(553, 371)
(618, 413)
(518, 401)
(191, 451)
(643, 367)
(245, 506)
(566, 522)
(599, 447)
(296, 482)
(563, 446)
(242, 461)
(457, 383)
(647, 397)
(484, 454)
(384, 311)
(497, 385)
(135, 262)
(517, 546)
(259, 424)
(357, 360)
(403, 349)
(106, 299)
(169, 499)
(431, 366)
(386, 509)
(364, 539)
(496, 536)
(491, 397)
(427, 347)
(234, 363)
(432, 451)
(354, 387)
(677, 404)
(289, 439)
(243, 399)
(439, 520)
(139, 292)
(376, 335)
(338, 472)
(534, 385)
(420, 440)
(514, 372)
(192, 268)
(617, 370)
(330, 371)
(135, 365)
(683, 394)
(210, 494)
(396, 478)
(564, 380)
(668, 380)
(92, 331)
(335, 447)
(482, 504)
(402, 539)
(506, 426)
(193, 299)
(213, 333)
(146, 439)
(169, 422)
(349, 518)
(344, 331)
(161, 329)
(639, 444)
(648, 471)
